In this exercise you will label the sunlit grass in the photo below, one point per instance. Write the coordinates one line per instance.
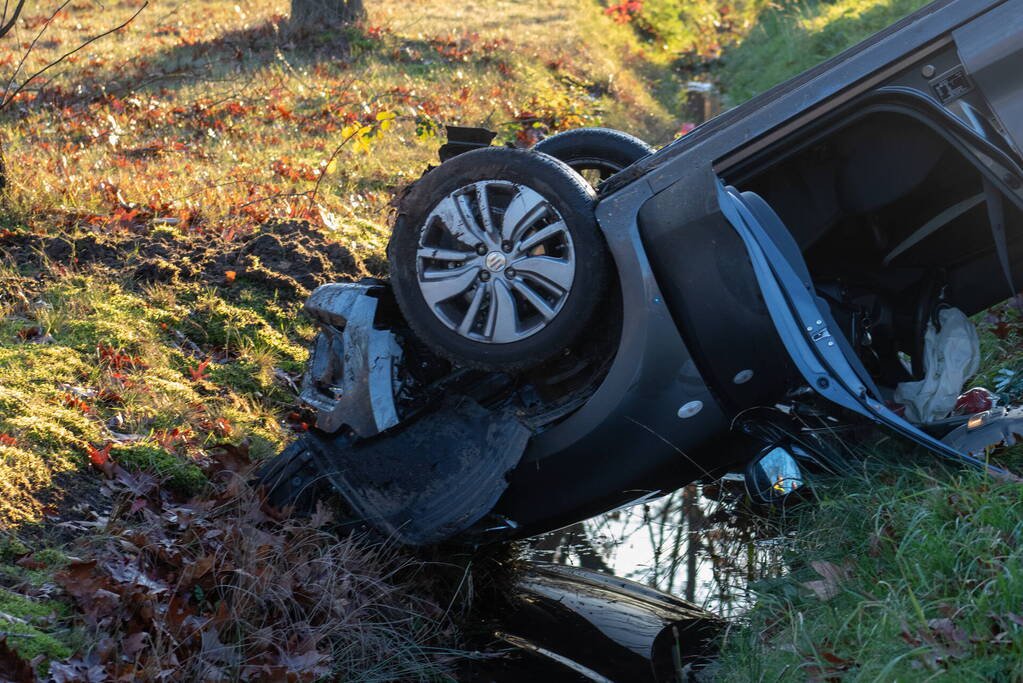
(930, 567)
(218, 115)
(796, 35)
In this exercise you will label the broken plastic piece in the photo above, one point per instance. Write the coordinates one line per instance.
(349, 381)
(422, 484)
(976, 400)
(985, 431)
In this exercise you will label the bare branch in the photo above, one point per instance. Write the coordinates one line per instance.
(279, 195)
(9, 97)
(323, 173)
(6, 28)
(24, 56)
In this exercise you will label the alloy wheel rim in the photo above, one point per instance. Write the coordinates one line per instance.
(495, 262)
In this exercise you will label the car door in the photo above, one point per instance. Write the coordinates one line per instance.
(816, 346)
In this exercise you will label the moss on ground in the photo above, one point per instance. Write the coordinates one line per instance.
(179, 474)
(113, 364)
(29, 624)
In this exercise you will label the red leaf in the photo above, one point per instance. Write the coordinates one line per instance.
(101, 457)
(199, 373)
(835, 659)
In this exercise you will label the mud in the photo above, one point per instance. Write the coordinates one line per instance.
(293, 257)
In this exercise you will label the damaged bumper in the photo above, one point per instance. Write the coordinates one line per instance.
(432, 478)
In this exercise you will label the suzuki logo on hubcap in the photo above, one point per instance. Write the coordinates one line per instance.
(495, 261)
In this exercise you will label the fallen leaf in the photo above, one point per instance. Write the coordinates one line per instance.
(321, 516)
(99, 457)
(134, 643)
(825, 590)
(12, 667)
(1015, 618)
(196, 570)
(832, 575)
(199, 373)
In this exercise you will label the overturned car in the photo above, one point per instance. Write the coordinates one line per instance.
(547, 349)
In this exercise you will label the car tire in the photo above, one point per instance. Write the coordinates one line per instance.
(595, 153)
(506, 292)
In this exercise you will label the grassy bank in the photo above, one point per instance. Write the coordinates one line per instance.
(903, 574)
(911, 571)
(794, 36)
(748, 46)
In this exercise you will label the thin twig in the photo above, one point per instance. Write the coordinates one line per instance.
(281, 195)
(213, 186)
(5, 29)
(9, 98)
(31, 47)
(323, 174)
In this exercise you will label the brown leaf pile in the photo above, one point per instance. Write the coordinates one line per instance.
(221, 587)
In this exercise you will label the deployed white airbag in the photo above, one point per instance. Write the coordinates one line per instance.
(951, 356)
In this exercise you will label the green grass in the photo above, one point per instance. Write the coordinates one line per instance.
(28, 623)
(932, 583)
(33, 625)
(60, 398)
(793, 36)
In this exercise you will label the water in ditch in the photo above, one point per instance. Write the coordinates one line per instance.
(699, 543)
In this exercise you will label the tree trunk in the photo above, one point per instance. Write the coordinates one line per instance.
(325, 13)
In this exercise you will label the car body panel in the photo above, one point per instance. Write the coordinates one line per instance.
(570, 623)
(992, 53)
(625, 439)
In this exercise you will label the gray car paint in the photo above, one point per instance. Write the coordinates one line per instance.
(991, 48)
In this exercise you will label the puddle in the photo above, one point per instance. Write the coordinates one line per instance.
(698, 543)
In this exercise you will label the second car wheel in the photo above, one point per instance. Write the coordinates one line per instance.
(496, 259)
(595, 153)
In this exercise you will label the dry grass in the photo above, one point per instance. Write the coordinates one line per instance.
(217, 115)
(196, 126)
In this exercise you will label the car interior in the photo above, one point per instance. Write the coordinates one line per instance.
(894, 221)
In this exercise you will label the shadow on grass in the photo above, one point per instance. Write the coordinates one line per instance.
(236, 59)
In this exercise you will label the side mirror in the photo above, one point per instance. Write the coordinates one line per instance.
(773, 475)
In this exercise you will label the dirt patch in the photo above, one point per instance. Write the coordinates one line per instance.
(293, 257)
(72, 496)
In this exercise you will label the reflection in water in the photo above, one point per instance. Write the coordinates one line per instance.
(699, 543)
